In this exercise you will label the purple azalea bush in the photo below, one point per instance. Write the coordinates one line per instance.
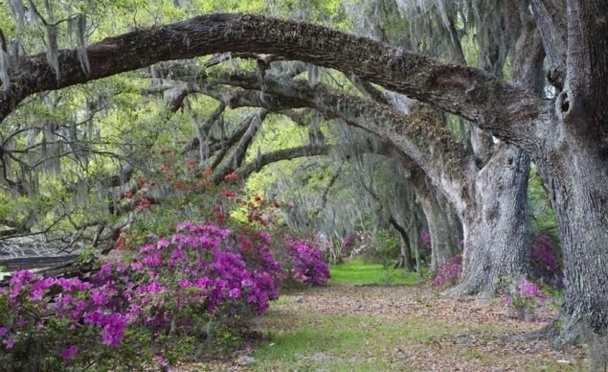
(196, 274)
(308, 265)
(523, 299)
(172, 287)
(425, 240)
(449, 272)
(543, 263)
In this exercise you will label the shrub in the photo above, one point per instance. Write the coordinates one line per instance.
(425, 240)
(543, 262)
(308, 266)
(383, 248)
(177, 287)
(523, 297)
(449, 272)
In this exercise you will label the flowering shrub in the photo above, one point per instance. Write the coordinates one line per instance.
(523, 298)
(543, 263)
(45, 323)
(169, 292)
(425, 240)
(175, 286)
(449, 272)
(334, 250)
(308, 266)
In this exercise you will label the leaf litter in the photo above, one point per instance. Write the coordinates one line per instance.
(446, 334)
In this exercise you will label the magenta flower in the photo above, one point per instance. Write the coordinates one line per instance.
(234, 293)
(69, 353)
(114, 330)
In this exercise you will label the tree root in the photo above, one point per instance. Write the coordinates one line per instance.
(565, 331)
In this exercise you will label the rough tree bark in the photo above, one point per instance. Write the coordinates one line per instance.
(497, 242)
(495, 225)
(444, 233)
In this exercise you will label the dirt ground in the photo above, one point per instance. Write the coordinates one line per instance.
(482, 341)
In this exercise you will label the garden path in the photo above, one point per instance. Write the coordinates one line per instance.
(397, 328)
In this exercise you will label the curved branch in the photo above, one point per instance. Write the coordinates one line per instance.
(273, 157)
(468, 92)
(550, 17)
(416, 135)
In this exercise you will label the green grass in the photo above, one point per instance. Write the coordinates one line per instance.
(359, 272)
(345, 343)
(303, 340)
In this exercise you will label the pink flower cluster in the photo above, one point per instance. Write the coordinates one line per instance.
(308, 266)
(530, 290)
(201, 269)
(449, 272)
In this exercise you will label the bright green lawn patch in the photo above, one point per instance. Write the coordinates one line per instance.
(359, 272)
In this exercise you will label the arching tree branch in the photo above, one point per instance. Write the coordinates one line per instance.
(416, 135)
(468, 92)
(273, 157)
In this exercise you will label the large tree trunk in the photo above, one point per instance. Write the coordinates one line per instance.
(495, 224)
(574, 164)
(405, 260)
(580, 192)
(444, 233)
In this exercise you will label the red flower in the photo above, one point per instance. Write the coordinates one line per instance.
(191, 164)
(231, 176)
(229, 194)
(120, 243)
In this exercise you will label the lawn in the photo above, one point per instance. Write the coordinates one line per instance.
(359, 323)
(357, 272)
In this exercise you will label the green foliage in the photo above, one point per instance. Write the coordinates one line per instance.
(543, 215)
(389, 244)
(383, 249)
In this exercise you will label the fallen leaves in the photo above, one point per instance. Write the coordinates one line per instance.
(446, 334)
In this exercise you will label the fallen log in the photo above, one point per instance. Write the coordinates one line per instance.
(35, 262)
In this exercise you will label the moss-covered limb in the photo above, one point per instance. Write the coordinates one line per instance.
(272, 157)
(368, 89)
(464, 91)
(418, 135)
(551, 19)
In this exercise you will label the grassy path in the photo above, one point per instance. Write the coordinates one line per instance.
(348, 327)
